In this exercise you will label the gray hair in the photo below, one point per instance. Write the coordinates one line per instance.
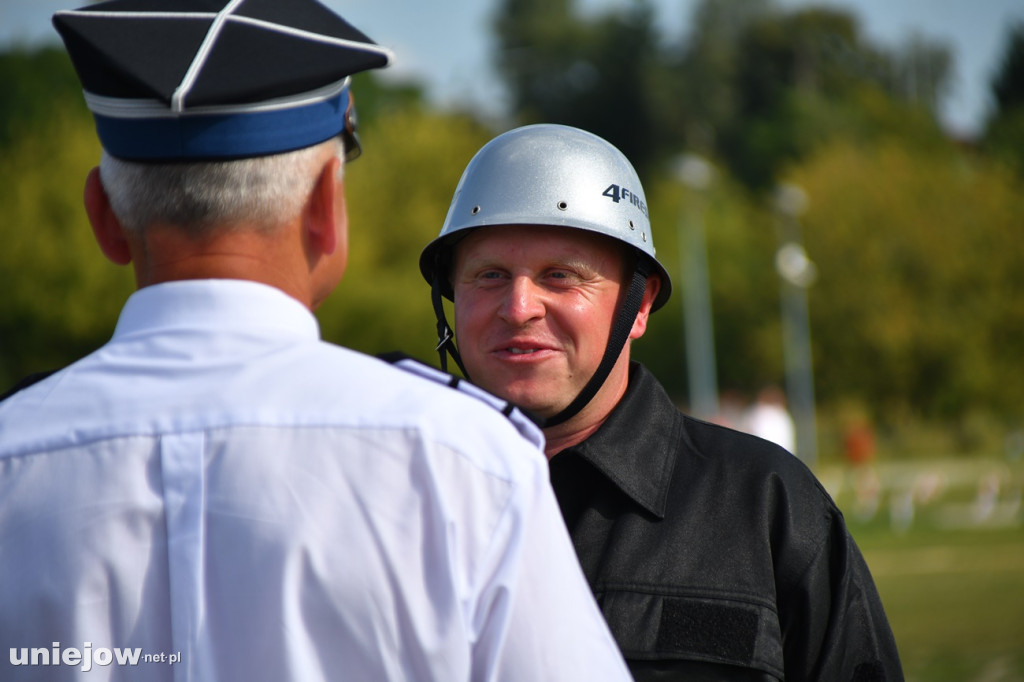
(198, 197)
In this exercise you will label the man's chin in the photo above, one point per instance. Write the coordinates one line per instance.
(529, 400)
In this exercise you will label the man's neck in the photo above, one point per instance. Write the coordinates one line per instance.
(593, 415)
(589, 419)
(166, 255)
(564, 436)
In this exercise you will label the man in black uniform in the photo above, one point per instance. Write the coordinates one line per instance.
(715, 555)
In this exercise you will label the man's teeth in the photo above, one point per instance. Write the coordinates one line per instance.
(521, 351)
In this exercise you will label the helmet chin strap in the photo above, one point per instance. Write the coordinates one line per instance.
(616, 340)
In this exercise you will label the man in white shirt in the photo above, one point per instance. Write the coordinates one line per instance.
(769, 418)
(217, 494)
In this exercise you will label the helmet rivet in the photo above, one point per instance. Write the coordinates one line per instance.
(643, 235)
(631, 225)
(476, 209)
(562, 206)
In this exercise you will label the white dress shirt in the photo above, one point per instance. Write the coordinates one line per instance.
(224, 496)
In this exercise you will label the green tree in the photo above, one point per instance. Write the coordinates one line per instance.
(61, 296)
(752, 85)
(920, 289)
(704, 69)
(804, 78)
(603, 75)
(1004, 130)
(1008, 83)
(37, 84)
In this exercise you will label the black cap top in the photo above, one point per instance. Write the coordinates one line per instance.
(206, 79)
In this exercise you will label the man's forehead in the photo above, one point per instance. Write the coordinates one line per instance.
(513, 241)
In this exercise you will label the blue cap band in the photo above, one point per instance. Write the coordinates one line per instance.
(240, 134)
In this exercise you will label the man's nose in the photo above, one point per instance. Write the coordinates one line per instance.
(524, 302)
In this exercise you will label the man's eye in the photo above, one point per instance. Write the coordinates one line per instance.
(563, 276)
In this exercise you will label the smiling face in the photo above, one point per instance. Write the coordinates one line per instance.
(534, 308)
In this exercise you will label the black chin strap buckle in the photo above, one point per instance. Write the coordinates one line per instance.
(445, 337)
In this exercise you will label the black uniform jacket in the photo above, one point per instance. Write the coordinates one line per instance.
(717, 555)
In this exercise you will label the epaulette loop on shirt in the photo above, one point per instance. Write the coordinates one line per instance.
(25, 383)
(526, 423)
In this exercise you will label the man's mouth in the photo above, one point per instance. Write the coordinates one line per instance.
(522, 351)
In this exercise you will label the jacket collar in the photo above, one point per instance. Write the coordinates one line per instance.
(636, 446)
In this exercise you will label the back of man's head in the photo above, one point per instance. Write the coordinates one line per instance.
(216, 116)
(219, 118)
(198, 197)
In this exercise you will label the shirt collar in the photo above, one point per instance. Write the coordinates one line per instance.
(636, 446)
(217, 304)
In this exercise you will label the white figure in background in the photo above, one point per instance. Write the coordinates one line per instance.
(769, 418)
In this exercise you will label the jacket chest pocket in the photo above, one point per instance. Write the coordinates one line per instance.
(712, 629)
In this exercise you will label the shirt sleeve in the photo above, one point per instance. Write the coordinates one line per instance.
(833, 623)
(536, 618)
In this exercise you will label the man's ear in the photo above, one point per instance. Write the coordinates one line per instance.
(105, 225)
(327, 220)
(650, 293)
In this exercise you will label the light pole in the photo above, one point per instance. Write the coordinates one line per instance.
(699, 338)
(796, 272)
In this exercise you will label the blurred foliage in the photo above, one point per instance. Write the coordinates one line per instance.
(919, 303)
(37, 84)
(1008, 82)
(918, 307)
(61, 297)
(1004, 133)
(604, 76)
(754, 86)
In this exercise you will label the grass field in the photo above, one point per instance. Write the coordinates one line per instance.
(945, 544)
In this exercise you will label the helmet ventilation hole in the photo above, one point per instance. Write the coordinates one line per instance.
(562, 206)
(476, 209)
(631, 225)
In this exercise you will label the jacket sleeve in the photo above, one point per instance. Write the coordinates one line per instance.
(833, 623)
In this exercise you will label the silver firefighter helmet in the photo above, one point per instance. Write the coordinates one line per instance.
(551, 175)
